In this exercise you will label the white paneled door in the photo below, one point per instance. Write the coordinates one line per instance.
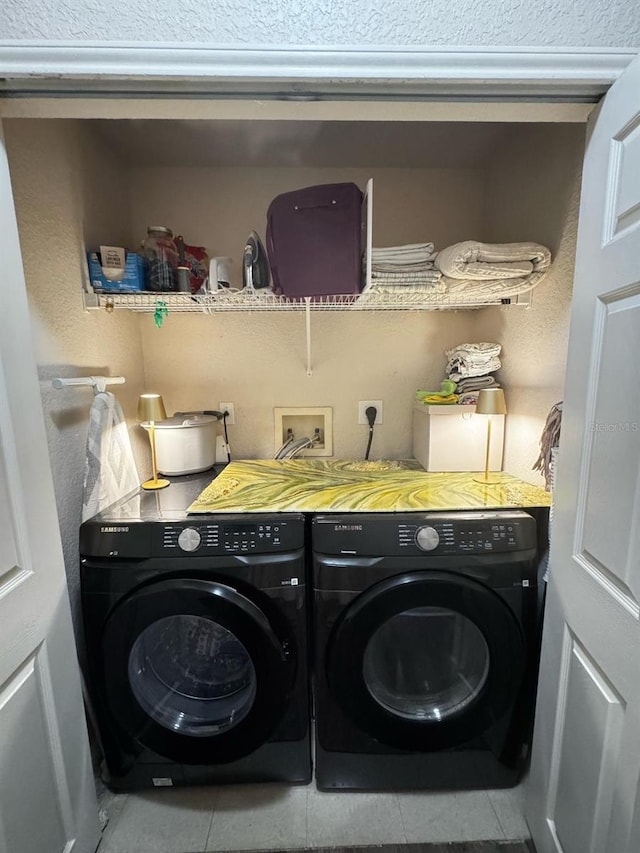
(583, 791)
(47, 795)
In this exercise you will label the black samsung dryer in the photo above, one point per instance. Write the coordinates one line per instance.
(426, 648)
(196, 635)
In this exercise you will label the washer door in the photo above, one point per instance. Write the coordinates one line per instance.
(196, 671)
(425, 661)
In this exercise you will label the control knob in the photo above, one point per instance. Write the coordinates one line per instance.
(189, 539)
(427, 538)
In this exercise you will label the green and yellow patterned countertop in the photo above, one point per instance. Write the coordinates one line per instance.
(343, 485)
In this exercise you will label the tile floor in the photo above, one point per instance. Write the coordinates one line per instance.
(268, 817)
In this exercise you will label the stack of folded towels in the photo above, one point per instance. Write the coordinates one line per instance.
(411, 265)
(468, 270)
(470, 366)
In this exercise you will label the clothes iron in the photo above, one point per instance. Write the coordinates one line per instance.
(255, 265)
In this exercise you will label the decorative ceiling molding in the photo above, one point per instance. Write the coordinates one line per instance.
(30, 68)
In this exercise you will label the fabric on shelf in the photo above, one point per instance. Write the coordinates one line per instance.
(470, 398)
(474, 261)
(475, 383)
(110, 469)
(406, 254)
(473, 359)
(405, 269)
(406, 277)
(405, 292)
(498, 270)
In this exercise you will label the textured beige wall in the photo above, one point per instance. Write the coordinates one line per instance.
(258, 360)
(533, 193)
(67, 189)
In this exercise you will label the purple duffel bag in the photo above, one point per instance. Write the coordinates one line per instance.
(314, 241)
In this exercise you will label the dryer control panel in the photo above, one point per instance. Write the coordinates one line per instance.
(227, 537)
(199, 536)
(438, 534)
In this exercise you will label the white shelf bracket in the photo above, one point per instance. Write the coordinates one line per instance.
(307, 319)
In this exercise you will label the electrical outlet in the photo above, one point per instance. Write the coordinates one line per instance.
(363, 405)
(228, 407)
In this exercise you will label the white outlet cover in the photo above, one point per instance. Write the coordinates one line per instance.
(228, 407)
(363, 405)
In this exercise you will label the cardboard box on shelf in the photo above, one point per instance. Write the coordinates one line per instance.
(130, 279)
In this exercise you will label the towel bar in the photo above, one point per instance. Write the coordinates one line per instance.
(99, 383)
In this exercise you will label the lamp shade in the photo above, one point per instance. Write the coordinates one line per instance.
(491, 402)
(151, 408)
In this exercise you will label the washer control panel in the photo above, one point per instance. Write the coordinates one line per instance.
(242, 536)
(468, 535)
(434, 533)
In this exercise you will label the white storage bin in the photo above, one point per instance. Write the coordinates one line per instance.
(454, 438)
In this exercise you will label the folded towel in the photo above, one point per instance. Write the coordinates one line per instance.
(110, 469)
(473, 261)
(406, 277)
(475, 383)
(411, 252)
(409, 269)
(439, 400)
(482, 349)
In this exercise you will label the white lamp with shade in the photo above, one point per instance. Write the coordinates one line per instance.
(151, 409)
(490, 402)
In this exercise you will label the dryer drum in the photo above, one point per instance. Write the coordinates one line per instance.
(426, 661)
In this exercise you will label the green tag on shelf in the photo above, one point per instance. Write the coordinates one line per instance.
(160, 313)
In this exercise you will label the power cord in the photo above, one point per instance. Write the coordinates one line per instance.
(225, 415)
(371, 413)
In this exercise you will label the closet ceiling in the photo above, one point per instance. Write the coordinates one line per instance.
(228, 143)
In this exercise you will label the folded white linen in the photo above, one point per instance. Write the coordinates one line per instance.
(474, 261)
(412, 252)
(417, 267)
(391, 294)
(494, 288)
(406, 277)
(472, 359)
(482, 349)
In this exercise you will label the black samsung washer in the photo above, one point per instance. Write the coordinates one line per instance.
(196, 630)
(426, 648)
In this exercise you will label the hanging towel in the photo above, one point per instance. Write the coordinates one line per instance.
(110, 469)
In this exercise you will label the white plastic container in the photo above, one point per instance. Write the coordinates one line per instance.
(185, 444)
(454, 438)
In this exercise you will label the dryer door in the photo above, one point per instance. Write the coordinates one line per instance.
(425, 661)
(197, 671)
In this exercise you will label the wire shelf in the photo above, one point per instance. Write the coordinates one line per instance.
(263, 300)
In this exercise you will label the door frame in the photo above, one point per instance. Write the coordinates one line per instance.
(45, 68)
